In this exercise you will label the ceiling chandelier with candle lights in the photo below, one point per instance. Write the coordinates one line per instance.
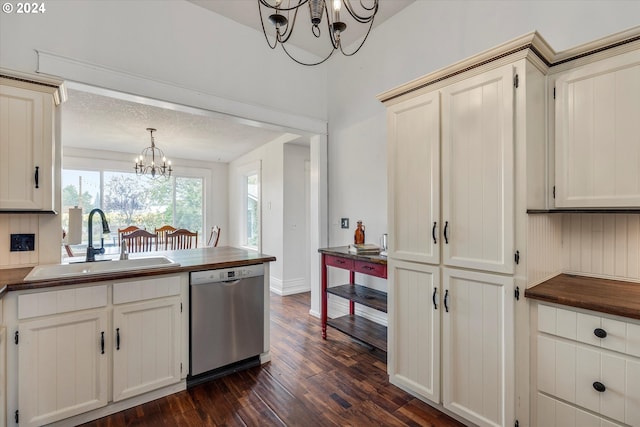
(285, 13)
(152, 161)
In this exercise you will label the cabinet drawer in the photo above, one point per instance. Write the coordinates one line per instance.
(553, 413)
(339, 262)
(370, 268)
(594, 379)
(590, 328)
(61, 301)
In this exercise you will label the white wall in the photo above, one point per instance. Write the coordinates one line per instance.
(295, 220)
(424, 37)
(171, 41)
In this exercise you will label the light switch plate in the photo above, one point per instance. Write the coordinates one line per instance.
(344, 223)
(22, 242)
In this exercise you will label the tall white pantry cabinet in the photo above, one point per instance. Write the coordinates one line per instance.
(466, 153)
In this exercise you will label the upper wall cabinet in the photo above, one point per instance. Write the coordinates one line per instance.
(27, 149)
(597, 134)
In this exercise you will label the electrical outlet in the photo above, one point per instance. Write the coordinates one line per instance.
(344, 223)
(22, 242)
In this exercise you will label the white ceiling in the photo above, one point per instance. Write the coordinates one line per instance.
(99, 119)
(245, 12)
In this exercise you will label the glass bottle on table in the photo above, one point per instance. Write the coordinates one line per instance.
(358, 237)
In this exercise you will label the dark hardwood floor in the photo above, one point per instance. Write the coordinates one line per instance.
(309, 382)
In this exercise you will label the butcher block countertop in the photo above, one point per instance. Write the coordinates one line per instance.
(189, 259)
(606, 296)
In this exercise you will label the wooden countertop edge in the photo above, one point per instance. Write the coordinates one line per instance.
(607, 296)
(16, 281)
(343, 251)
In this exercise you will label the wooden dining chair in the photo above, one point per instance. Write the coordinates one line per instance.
(141, 241)
(162, 235)
(126, 230)
(214, 236)
(182, 239)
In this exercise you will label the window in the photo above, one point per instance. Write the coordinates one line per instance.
(127, 199)
(252, 191)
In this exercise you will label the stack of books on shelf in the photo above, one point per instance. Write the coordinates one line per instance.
(364, 249)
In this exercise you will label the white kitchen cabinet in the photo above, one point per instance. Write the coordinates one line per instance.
(147, 335)
(63, 366)
(147, 346)
(597, 133)
(478, 346)
(555, 413)
(477, 171)
(586, 375)
(414, 344)
(82, 347)
(27, 149)
(414, 164)
(466, 160)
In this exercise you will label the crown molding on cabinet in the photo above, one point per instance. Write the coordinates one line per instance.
(56, 85)
(532, 46)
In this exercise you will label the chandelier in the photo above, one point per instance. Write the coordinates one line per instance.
(284, 20)
(146, 163)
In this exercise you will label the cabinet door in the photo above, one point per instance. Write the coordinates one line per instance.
(597, 134)
(478, 347)
(414, 179)
(146, 346)
(63, 367)
(26, 149)
(477, 178)
(414, 328)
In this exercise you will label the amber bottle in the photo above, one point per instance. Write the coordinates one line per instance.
(358, 237)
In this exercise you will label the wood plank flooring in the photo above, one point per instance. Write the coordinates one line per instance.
(309, 382)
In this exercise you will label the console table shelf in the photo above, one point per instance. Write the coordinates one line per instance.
(364, 330)
(361, 295)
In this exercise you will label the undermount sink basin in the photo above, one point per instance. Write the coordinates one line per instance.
(55, 271)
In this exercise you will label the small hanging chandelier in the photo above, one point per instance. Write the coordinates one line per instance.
(146, 163)
(284, 25)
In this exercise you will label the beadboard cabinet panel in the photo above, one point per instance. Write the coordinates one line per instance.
(597, 137)
(478, 178)
(414, 334)
(414, 163)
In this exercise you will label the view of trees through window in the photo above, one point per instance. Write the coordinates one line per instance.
(253, 214)
(127, 199)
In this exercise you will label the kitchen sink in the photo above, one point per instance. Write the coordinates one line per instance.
(78, 269)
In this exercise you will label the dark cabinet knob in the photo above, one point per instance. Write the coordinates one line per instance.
(599, 387)
(600, 333)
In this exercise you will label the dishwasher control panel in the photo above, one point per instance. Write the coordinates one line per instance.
(226, 274)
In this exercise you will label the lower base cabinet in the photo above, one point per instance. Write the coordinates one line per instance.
(72, 343)
(460, 333)
(146, 356)
(63, 366)
(591, 363)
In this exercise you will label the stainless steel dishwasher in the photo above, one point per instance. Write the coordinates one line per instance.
(226, 321)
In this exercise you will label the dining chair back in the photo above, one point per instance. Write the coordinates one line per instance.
(126, 230)
(141, 241)
(182, 239)
(214, 236)
(162, 235)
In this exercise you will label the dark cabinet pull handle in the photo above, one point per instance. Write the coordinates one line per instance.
(117, 338)
(433, 233)
(433, 298)
(368, 267)
(599, 387)
(339, 261)
(446, 238)
(446, 298)
(600, 333)
(102, 342)
(37, 176)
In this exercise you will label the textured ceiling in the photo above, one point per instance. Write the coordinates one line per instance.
(101, 122)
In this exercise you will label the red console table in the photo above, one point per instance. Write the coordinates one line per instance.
(358, 327)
